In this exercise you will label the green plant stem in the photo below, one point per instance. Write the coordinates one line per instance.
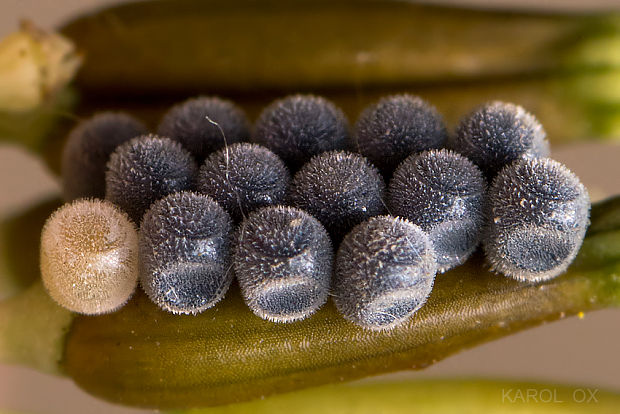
(19, 247)
(33, 330)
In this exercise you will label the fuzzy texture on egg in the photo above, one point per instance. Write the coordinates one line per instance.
(88, 150)
(339, 188)
(498, 133)
(283, 261)
(395, 127)
(538, 216)
(146, 169)
(384, 272)
(185, 252)
(244, 177)
(89, 257)
(192, 124)
(298, 127)
(443, 193)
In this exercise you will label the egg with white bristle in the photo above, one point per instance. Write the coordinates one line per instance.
(185, 252)
(384, 272)
(538, 216)
(243, 177)
(205, 124)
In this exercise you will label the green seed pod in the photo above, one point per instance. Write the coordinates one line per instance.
(89, 257)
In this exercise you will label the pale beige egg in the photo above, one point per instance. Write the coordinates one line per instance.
(89, 256)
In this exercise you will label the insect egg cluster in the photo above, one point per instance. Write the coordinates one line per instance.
(302, 207)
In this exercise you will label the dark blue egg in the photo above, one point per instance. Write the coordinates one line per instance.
(498, 133)
(283, 261)
(146, 169)
(205, 124)
(538, 216)
(244, 177)
(443, 193)
(339, 188)
(88, 150)
(390, 130)
(384, 272)
(185, 252)
(298, 127)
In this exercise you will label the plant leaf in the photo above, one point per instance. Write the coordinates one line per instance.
(144, 356)
(33, 128)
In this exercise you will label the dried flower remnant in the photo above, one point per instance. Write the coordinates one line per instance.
(283, 261)
(89, 257)
(34, 65)
(443, 193)
(538, 216)
(184, 252)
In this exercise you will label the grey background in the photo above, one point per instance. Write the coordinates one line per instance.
(578, 351)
